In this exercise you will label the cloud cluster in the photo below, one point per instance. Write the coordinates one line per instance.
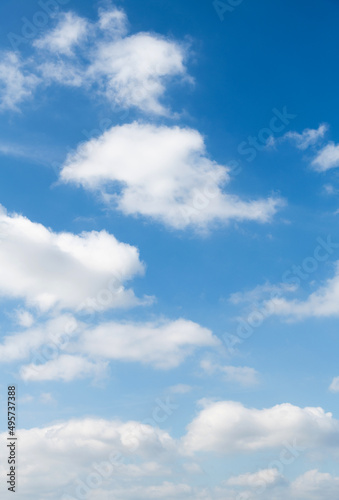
(99, 457)
(131, 71)
(66, 349)
(325, 157)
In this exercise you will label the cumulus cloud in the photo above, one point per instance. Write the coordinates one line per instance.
(17, 83)
(327, 158)
(98, 458)
(163, 344)
(163, 173)
(63, 270)
(233, 428)
(75, 450)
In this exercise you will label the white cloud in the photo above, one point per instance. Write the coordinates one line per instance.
(315, 485)
(305, 139)
(75, 450)
(163, 173)
(47, 398)
(163, 344)
(334, 387)
(69, 32)
(242, 375)
(54, 333)
(267, 477)
(321, 303)
(327, 158)
(16, 82)
(131, 71)
(98, 458)
(134, 70)
(113, 22)
(24, 318)
(63, 270)
(233, 428)
(309, 137)
(62, 72)
(166, 491)
(64, 368)
(64, 349)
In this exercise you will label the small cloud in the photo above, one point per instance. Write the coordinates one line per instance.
(27, 398)
(334, 387)
(242, 375)
(327, 158)
(47, 398)
(24, 318)
(180, 389)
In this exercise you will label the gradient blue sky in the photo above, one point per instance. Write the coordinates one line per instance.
(240, 71)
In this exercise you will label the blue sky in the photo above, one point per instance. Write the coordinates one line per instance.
(168, 236)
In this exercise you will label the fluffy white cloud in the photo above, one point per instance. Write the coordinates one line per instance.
(163, 344)
(235, 428)
(55, 333)
(79, 451)
(64, 368)
(69, 32)
(113, 22)
(163, 173)
(97, 458)
(327, 158)
(64, 270)
(16, 82)
(65, 349)
(134, 70)
(242, 375)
